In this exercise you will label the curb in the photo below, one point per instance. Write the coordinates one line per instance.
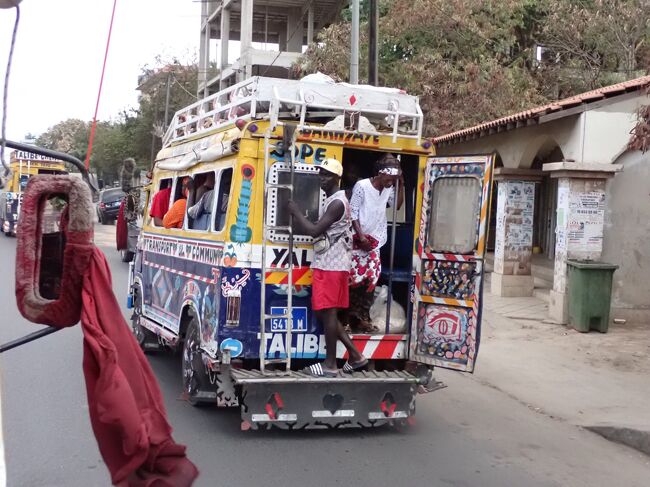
(637, 439)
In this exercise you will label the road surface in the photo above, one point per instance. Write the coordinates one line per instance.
(466, 435)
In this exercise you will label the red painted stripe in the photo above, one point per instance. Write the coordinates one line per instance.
(385, 349)
(359, 343)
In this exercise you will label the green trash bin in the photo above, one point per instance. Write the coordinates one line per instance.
(590, 292)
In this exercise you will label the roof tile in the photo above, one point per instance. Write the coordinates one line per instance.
(582, 98)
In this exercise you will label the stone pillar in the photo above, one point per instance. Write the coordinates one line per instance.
(310, 24)
(580, 219)
(295, 30)
(225, 38)
(514, 232)
(204, 50)
(282, 37)
(246, 25)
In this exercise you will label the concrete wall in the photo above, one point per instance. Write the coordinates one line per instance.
(598, 135)
(607, 129)
(519, 147)
(627, 237)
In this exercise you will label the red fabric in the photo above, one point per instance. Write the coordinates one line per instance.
(121, 229)
(160, 203)
(38, 245)
(329, 289)
(126, 406)
(372, 240)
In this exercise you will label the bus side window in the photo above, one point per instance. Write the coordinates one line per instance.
(175, 216)
(223, 197)
(200, 204)
(160, 202)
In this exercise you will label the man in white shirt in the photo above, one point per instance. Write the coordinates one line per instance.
(370, 198)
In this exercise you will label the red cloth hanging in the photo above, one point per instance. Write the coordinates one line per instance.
(127, 412)
(121, 229)
(126, 406)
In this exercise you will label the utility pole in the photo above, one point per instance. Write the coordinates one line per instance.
(169, 75)
(372, 43)
(354, 52)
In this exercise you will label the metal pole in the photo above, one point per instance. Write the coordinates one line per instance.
(389, 299)
(372, 43)
(354, 48)
(169, 75)
(28, 338)
(55, 155)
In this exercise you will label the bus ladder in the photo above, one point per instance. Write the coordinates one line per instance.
(288, 315)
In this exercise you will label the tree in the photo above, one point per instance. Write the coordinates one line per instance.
(149, 125)
(114, 142)
(473, 60)
(69, 136)
(604, 42)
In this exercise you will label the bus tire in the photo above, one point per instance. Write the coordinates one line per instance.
(192, 367)
(143, 336)
(126, 255)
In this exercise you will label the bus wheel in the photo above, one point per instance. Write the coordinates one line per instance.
(146, 340)
(126, 255)
(194, 374)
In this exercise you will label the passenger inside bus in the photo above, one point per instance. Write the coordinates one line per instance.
(201, 212)
(160, 202)
(176, 214)
(370, 198)
(330, 268)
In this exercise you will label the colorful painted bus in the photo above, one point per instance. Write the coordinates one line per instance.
(23, 165)
(232, 291)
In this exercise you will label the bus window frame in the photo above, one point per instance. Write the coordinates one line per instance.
(217, 180)
(432, 221)
(173, 196)
(217, 199)
(272, 199)
(150, 220)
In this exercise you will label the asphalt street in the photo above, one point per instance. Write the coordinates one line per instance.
(466, 435)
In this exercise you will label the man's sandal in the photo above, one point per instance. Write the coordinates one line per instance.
(317, 370)
(350, 367)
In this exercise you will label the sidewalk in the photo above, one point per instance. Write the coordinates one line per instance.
(597, 381)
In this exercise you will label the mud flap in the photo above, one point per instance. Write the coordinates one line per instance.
(326, 404)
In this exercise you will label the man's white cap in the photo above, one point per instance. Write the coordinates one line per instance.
(333, 166)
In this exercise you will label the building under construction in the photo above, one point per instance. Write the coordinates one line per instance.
(271, 33)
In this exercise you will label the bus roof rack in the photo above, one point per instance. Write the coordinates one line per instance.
(313, 101)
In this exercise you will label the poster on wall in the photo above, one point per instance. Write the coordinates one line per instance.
(516, 205)
(587, 217)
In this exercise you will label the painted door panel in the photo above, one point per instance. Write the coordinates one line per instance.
(450, 248)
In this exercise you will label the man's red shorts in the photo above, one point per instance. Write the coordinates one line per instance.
(329, 289)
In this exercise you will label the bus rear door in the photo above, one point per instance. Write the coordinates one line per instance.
(449, 261)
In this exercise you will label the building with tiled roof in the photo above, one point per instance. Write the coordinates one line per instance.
(587, 196)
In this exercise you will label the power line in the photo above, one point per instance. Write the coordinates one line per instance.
(5, 93)
(299, 25)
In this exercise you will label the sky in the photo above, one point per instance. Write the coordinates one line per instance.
(60, 48)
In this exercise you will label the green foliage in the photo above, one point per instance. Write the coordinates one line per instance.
(135, 132)
(474, 60)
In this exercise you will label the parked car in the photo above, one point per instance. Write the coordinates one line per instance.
(109, 205)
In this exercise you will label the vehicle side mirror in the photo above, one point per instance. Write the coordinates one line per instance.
(55, 243)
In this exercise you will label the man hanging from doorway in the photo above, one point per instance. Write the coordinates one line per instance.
(331, 266)
(370, 198)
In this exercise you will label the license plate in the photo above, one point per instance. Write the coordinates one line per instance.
(299, 316)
